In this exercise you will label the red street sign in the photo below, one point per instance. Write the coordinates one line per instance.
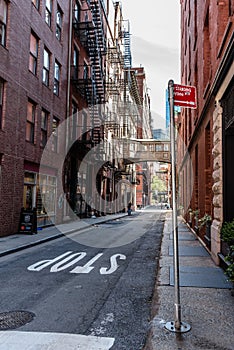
(185, 96)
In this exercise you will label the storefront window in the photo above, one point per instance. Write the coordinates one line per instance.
(46, 193)
(40, 192)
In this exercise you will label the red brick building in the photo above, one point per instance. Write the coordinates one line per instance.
(55, 62)
(33, 90)
(45, 62)
(207, 132)
(144, 131)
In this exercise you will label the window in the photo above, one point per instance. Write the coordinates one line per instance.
(1, 100)
(158, 148)
(48, 12)
(33, 56)
(55, 134)
(59, 24)
(36, 3)
(75, 63)
(84, 126)
(77, 12)
(231, 7)
(30, 127)
(56, 77)
(86, 71)
(44, 126)
(206, 51)
(46, 199)
(73, 121)
(3, 22)
(46, 67)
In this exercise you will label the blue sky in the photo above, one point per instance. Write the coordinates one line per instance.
(155, 29)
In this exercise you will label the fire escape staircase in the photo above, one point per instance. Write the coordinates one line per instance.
(92, 87)
(127, 44)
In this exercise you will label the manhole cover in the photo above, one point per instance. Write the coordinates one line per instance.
(15, 319)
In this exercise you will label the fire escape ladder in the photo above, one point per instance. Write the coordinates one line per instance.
(115, 58)
(127, 44)
(92, 36)
(96, 53)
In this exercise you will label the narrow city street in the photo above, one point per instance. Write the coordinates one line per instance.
(74, 288)
(116, 175)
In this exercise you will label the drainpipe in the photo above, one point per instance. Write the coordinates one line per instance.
(69, 64)
(68, 86)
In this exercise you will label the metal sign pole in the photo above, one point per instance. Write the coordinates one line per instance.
(177, 325)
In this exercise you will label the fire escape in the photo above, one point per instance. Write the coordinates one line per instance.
(91, 84)
(114, 83)
(127, 44)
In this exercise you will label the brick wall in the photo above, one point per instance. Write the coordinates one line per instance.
(206, 30)
(21, 85)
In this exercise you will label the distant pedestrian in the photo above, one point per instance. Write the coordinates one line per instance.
(129, 208)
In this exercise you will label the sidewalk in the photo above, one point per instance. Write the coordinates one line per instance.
(17, 242)
(205, 297)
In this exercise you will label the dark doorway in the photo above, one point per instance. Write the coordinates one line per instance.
(227, 103)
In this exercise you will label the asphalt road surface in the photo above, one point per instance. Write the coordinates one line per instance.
(98, 282)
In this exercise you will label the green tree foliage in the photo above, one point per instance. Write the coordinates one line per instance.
(227, 234)
(158, 185)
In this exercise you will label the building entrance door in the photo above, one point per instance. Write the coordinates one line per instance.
(228, 146)
(228, 164)
(28, 196)
(229, 174)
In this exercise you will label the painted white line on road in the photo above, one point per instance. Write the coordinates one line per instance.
(14, 340)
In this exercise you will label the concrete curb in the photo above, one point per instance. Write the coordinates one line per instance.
(58, 235)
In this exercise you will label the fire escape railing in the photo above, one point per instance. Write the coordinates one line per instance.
(81, 79)
(91, 34)
(126, 36)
